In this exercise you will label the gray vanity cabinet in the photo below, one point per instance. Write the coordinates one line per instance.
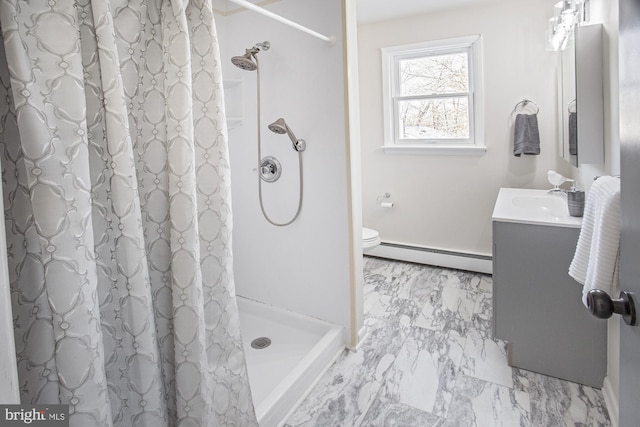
(538, 308)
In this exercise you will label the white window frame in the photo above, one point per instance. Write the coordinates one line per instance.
(391, 56)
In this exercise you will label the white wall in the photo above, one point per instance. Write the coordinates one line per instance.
(445, 202)
(303, 267)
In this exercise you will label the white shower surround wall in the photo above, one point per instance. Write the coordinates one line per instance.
(303, 267)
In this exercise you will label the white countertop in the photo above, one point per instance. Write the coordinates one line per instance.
(538, 207)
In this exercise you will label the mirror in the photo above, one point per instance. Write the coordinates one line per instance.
(568, 103)
(581, 97)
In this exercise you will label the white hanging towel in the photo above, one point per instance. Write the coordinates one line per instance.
(595, 261)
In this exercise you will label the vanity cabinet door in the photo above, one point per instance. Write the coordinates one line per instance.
(538, 307)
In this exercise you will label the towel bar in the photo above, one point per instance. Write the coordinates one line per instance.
(524, 103)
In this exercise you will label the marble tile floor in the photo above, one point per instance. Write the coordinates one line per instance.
(429, 360)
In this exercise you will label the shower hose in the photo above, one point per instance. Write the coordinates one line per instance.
(264, 213)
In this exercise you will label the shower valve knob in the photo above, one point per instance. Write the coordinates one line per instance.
(270, 169)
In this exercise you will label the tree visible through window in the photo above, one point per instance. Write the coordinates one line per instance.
(430, 93)
(434, 97)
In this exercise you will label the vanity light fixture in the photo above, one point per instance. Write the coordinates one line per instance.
(567, 14)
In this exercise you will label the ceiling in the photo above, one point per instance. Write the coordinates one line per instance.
(380, 10)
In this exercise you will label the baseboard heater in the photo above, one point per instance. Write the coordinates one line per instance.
(438, 257)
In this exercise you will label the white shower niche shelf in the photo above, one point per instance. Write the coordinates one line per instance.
(233, 102)
(281, 374)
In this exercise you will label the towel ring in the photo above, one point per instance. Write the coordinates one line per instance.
(524, 103)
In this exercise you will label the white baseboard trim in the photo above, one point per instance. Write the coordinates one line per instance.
(440, 258)
(611, 400)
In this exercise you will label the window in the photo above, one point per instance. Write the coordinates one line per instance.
(432, 95)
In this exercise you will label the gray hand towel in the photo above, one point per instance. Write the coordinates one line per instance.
(573, 133)
(526, 137)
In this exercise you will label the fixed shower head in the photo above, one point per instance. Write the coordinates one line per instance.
(280, 127)
(246, 62)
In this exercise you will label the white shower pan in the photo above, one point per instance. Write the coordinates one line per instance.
(281, 374)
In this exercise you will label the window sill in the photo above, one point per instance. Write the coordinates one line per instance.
(447, 150)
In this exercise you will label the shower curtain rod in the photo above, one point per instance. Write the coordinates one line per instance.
(331, 40)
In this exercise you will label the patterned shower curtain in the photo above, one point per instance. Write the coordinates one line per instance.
(116, 188)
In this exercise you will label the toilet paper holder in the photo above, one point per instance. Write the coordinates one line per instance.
(384, 200)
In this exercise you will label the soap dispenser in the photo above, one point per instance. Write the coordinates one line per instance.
(575, 201)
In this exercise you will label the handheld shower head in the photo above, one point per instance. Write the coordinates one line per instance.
(280, 127)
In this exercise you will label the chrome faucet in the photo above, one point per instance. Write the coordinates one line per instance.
(557, 180)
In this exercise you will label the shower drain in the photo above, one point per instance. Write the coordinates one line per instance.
(260, 343)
